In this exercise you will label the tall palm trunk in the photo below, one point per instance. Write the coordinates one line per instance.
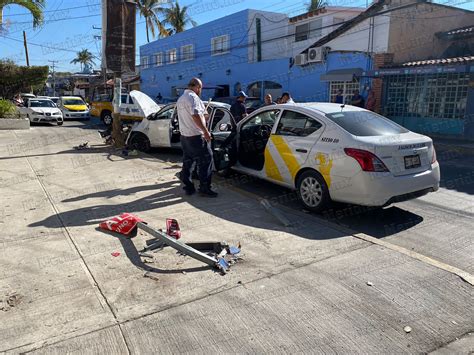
(147, 35)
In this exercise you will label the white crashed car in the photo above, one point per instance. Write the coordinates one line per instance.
(42, 110)
(330, 152)
(161, 129)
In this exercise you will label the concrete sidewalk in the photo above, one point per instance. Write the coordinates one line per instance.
(301, 288)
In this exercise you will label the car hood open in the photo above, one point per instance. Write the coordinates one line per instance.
(144, 102)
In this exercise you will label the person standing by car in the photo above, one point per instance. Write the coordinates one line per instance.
(238, 109)
(371, 101)
(195, 140)
(339, 99)
(269, 100)
(286, 99)
(357, 99)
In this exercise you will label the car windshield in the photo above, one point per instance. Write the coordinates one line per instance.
(365, 123)
(73, 102)
(253, 103)
(41, 103)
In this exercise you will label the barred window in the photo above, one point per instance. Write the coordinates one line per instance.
(442, 95)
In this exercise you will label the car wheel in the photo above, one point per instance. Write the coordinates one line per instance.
(139, 142)
(313, 191)
(60, 123)
(107, 118)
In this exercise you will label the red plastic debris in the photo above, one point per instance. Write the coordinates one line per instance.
(115, 254)
(172, 228)
(123, 224)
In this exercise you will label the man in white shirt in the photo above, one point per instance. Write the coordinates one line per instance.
(195, 139)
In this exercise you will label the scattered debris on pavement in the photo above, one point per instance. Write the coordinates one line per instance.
(369, 283)
(81, 146)
(218, 255)
(115, 254)
(10, 301)
(275, 212)
(150, 275)
(407, 329)
(125, 224)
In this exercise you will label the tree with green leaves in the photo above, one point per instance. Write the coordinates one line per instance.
(35, 7)
(178, 18)
(150, 10)
(316, 5)
(83, 57)
(15, 78)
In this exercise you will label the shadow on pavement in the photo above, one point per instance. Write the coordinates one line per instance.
(132, 254)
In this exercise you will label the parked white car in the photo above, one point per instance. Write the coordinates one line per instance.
(327, 152)
(161, 129)
(42, 110)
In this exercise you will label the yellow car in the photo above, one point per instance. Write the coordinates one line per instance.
(129, 110)
(73, 107)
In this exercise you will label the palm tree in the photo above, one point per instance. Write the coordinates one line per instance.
(34, 6)
(178, 18)
(150, 9)
(316, 5)
(83, 57)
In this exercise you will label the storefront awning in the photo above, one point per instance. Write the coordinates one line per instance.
(342, 74)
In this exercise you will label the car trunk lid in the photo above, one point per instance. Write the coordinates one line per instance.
(403, 154)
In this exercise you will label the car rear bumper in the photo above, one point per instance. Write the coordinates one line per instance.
(382, 189)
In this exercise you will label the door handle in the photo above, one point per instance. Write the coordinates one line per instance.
(302, 150)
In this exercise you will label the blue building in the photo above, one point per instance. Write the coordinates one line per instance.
(255, 51)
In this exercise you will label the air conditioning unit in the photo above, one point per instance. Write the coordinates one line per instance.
(316, 54)
(300, 59)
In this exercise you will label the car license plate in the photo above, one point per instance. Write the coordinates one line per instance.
(412, 161)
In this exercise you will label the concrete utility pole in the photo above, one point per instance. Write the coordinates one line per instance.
(54, 76)
(26, 49)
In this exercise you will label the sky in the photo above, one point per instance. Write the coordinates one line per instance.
(72, 25)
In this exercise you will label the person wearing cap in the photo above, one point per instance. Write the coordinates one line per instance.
(238, 109)
(195, 140)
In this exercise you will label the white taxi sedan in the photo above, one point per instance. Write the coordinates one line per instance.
(330, 152)
(42, 110)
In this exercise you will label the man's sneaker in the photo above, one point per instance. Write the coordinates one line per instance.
(208, 193)
(189, 190)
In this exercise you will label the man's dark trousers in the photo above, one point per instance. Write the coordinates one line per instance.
(196, 149)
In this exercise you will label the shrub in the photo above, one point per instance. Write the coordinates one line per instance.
(6, 108)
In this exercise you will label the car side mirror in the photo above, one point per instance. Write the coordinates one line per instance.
(224, 127)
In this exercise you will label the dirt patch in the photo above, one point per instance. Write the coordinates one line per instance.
(10, 301)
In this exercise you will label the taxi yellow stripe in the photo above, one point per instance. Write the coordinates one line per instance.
(271, 168)
(325, 167)
(287, 155)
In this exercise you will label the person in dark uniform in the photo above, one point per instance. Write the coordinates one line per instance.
(238, 109)
(339, 99)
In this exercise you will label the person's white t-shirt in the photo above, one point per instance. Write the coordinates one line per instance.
(190, 104)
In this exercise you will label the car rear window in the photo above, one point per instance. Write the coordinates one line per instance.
(365, 123)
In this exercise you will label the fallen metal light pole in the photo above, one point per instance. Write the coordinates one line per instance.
(219, 262)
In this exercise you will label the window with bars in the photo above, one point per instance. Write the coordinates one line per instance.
(187, 52)
(144, 62)
(434, 95)
(220, 45)
(347, 87)
(172, 56)
(158, 59)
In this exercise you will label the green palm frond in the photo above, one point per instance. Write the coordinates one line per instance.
(35, 7)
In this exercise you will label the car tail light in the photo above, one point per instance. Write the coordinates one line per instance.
(367, 160)
(433, 157)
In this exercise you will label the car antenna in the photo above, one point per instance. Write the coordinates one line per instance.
(342, 106)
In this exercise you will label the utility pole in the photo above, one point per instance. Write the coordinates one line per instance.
(54, 76)
(26, 49)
